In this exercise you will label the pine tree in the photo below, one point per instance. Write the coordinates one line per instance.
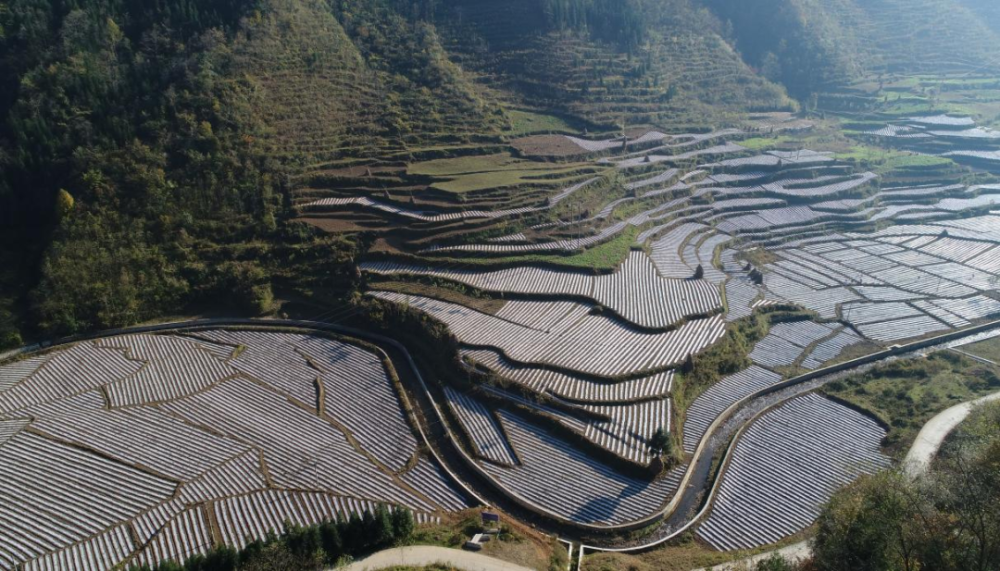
(384, 533)
(402, 524)
(333, 545)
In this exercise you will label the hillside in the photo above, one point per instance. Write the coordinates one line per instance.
(811, 45)
(154, 156)
(661, 62)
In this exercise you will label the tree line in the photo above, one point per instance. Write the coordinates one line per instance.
(305, 548)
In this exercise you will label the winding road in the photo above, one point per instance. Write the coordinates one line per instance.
(932, 435)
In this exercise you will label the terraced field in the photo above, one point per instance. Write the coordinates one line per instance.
(599, 294)
(162, 444)
(583, 300)
(786, 464)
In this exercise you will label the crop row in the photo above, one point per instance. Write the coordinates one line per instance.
(301, 450)
(564, 480)
(419, 215)
(355, 386)
(93, 494)
(720, 396)
(625, 430)
(898, 329)
(144, 437)
(631, 428)
(146, 465)
(635, 291)
(239, 475)
(99, 553)
(76, 370)
(430, 480)
(666, 251)
(594, 344)
(828, 349)
(482, 428)
(785, 466)
(174, 367)
(787, 341)
(573, 388)
(187, 534)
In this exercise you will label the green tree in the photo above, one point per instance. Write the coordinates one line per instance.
(222, 558)
(660, 443)
(64, 204)
(775, 563)
(333, 545)
(384, 532)
(878, 523)
(402, 524)
(355, 537)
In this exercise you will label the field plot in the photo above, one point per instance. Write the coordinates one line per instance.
(341, 370)
(99, 553)
(482, 428)
(635, 291)
(592, 344)
(701, 231)
(565, 481)
(787, 341)
(785, 466)
(574, 388)
(720, 396)
(115, 451)
(901, 282)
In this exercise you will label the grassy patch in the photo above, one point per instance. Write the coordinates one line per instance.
(683, 554)
(887, 160)
(471, 164)
(988, 349)
(516, 543)
(905, 394)
(528, 123)
(608, 255)
(761, 143)
(604, 257)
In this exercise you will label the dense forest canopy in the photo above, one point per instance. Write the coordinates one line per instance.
(123, 142)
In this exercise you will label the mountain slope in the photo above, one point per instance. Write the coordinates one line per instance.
(667, 65)
(813, 44)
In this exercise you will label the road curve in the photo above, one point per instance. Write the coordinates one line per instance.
(932, 435)
(422, 555)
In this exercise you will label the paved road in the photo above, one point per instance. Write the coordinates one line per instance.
(795, 552)
(421, 555)
(932, 435)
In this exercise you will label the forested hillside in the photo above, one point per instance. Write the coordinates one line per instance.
(148, 149)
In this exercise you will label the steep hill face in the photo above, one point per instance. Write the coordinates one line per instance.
(661, 61)
(351, 78)
(988, 10)
(810, 45)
